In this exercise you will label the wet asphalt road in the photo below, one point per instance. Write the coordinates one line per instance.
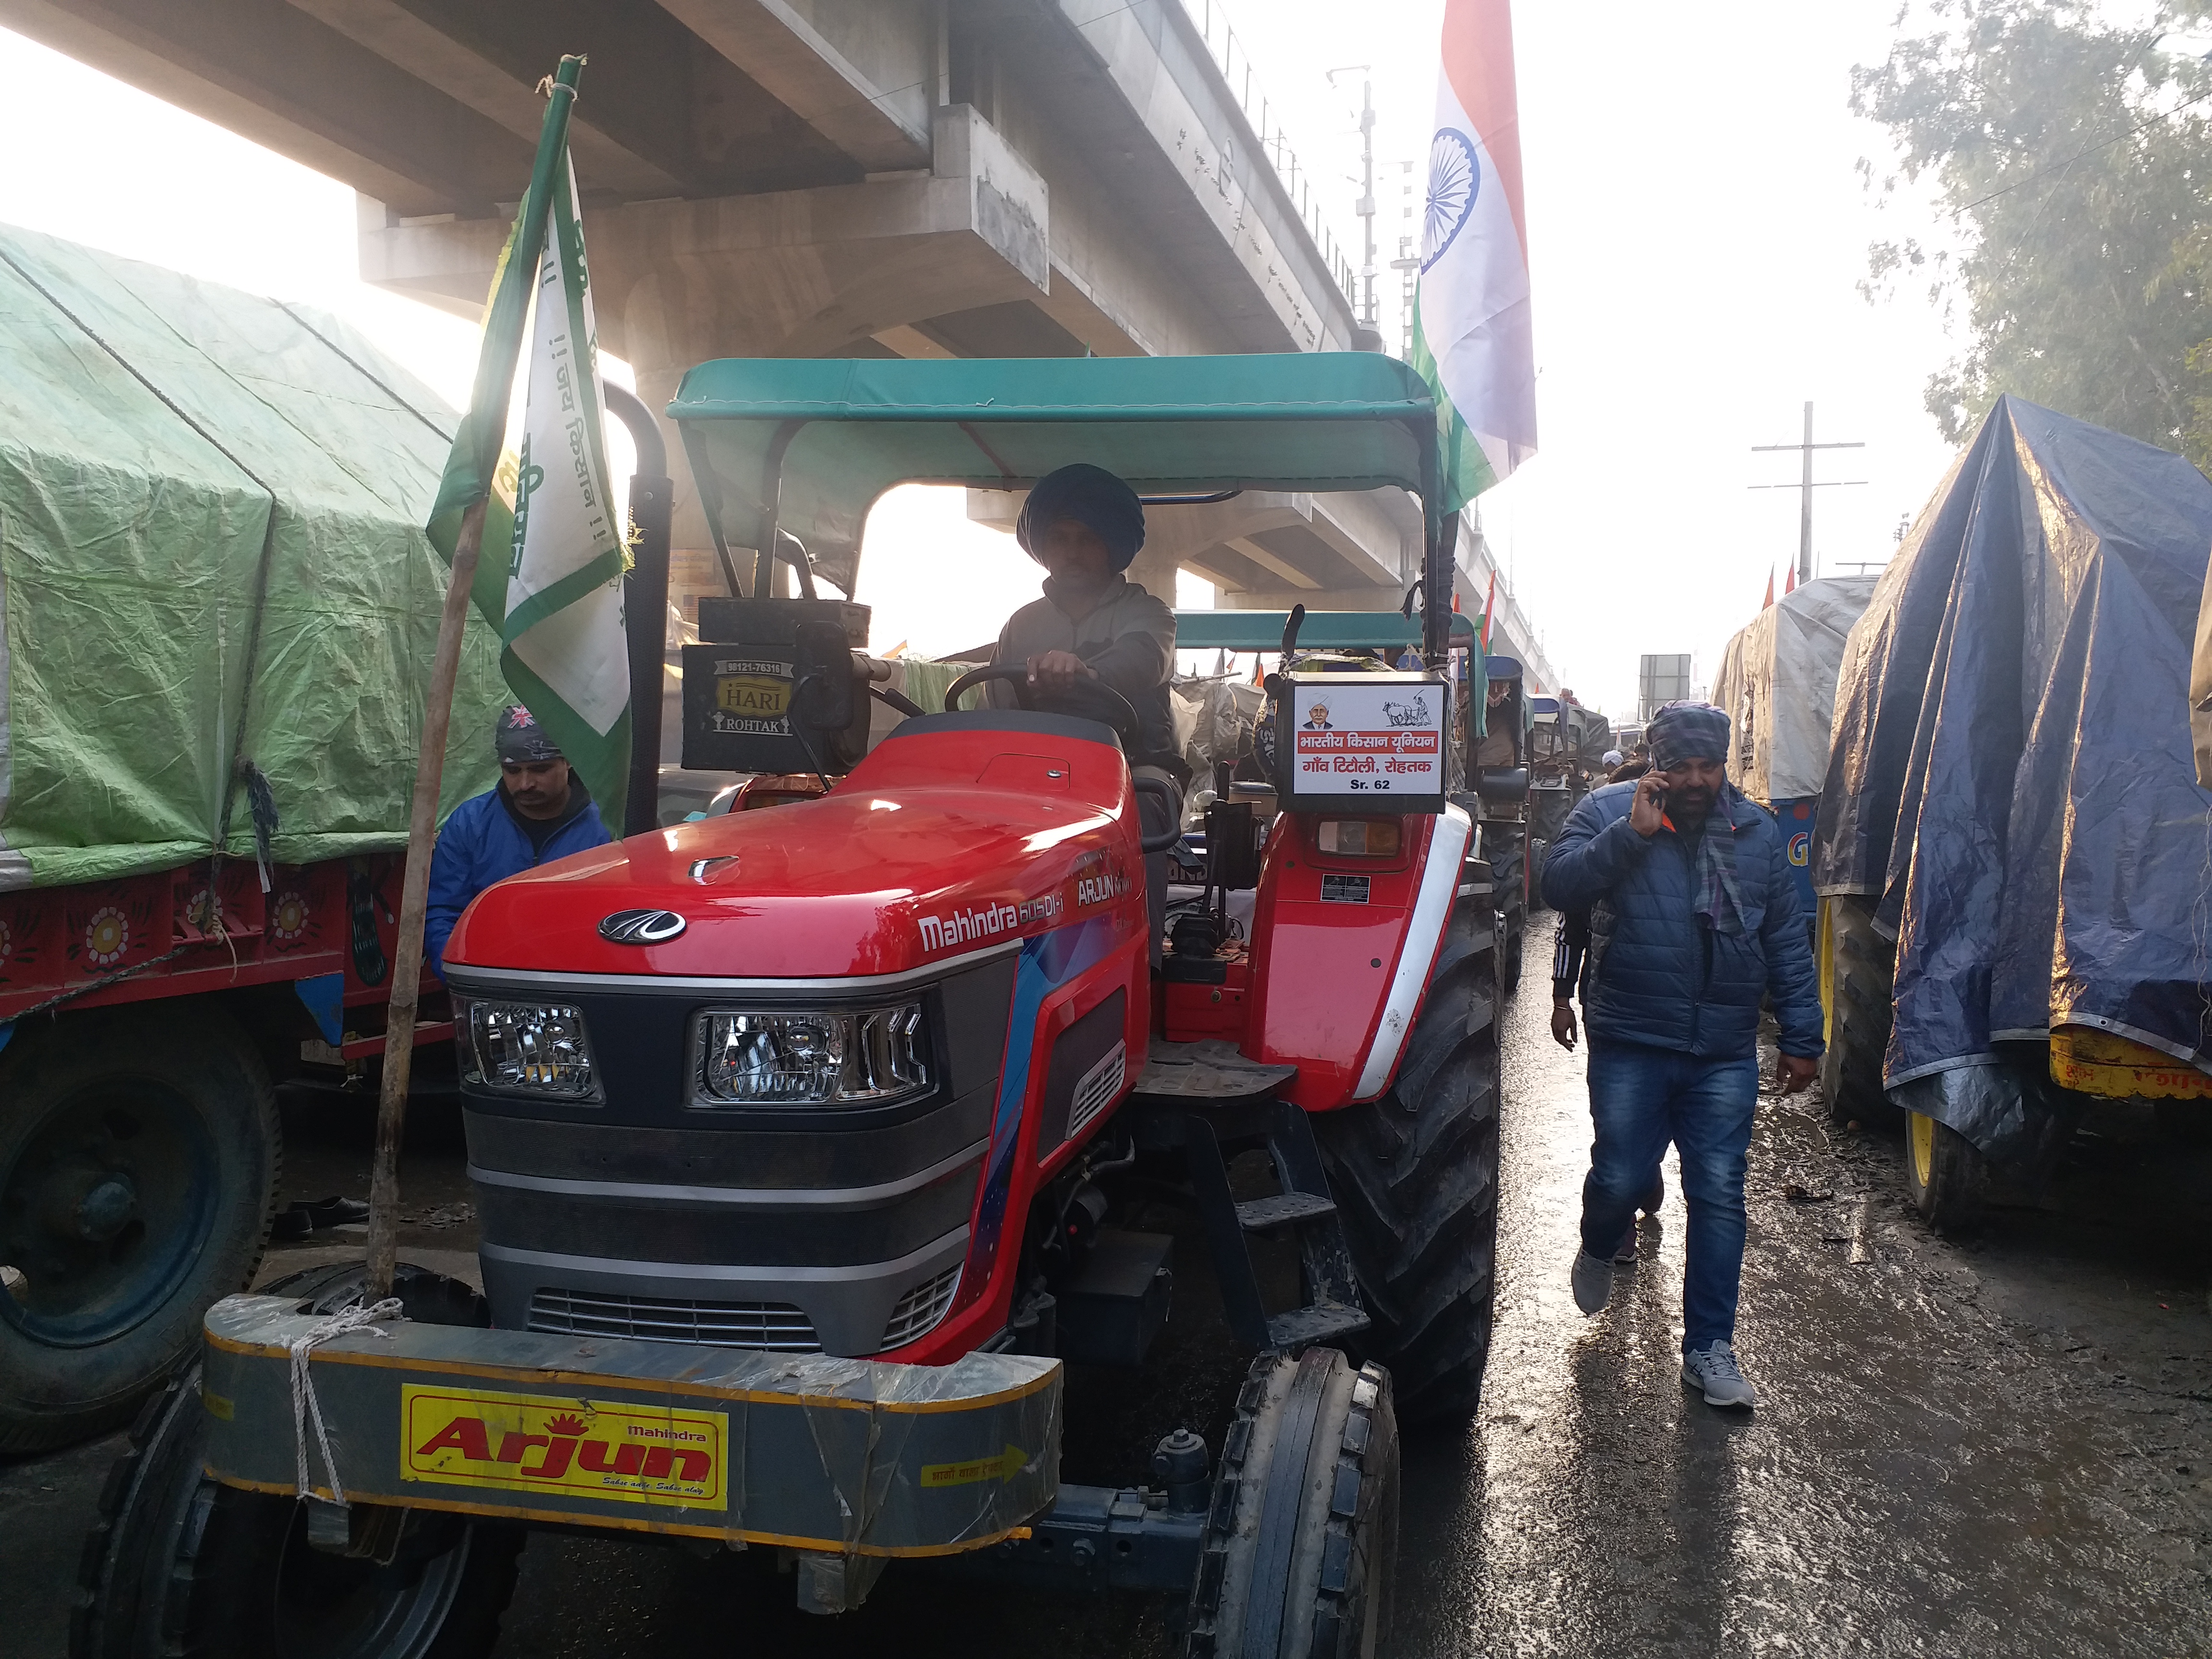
(1993, 1447)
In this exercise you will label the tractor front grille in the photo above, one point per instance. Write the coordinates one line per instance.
(773, 1327)
(916, 1313)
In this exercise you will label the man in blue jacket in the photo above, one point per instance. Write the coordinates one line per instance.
(1693, 918)
(539, 811)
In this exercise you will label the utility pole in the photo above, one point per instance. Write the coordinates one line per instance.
(1806, 485)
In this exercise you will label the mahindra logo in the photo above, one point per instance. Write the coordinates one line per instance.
(641, 927)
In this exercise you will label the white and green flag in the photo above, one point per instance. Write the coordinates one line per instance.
(566, 655)
(548, 575)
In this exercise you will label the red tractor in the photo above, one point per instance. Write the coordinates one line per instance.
(801, 1135)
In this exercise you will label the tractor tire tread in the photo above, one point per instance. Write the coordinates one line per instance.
(1415, 1177)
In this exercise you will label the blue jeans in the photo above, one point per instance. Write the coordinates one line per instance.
(1640, 1099)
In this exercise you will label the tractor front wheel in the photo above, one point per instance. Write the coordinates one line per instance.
(1415, 1179)
(179, 1564)
(1302, 1532)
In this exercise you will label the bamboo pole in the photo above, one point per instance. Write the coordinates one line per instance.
(414, 896)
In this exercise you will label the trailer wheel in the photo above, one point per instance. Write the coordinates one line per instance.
(1947, 1176)
(1415, 1179)
(178, 1564)
(139, 1152)
(1303, 1536)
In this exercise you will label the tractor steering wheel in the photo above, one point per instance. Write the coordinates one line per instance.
(1107, 706)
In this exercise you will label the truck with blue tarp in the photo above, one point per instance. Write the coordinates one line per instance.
(2010, 845)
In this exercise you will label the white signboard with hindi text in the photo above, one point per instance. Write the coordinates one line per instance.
(1372, 742)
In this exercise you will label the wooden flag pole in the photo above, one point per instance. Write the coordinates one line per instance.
(414, 898)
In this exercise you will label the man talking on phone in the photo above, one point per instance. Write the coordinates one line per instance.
(1693, 919)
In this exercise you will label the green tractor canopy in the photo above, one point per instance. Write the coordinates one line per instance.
(804, 448)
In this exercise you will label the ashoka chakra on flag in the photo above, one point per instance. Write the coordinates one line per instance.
(1455, 177)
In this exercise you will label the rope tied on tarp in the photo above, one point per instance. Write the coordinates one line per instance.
(261, 803)
(305, 1408)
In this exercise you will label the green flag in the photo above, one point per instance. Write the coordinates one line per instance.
(555, 610)
(566, 656)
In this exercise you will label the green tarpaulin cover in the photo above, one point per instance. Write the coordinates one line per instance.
(210, 554)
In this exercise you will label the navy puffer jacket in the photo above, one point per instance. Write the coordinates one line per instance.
(1656, 974)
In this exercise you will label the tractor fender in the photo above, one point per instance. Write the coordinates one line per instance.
(1343, 949)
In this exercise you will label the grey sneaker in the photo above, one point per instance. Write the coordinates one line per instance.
(1713, 1370)
(1593, 1282)
(1624, 1253)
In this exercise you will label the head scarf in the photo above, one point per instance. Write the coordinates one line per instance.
(520, 740)
(1090, 496)
(1613, 758)
(1684, 731)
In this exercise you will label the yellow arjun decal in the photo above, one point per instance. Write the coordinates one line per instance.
(522, 1443)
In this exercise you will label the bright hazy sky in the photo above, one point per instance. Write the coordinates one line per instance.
(1697, 229)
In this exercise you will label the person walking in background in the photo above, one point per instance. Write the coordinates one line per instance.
(1693, 919)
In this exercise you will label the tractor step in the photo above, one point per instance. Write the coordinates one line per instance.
(1325, 1322)
(1210, 1072)
(1260, 1215)
(1305, 1207)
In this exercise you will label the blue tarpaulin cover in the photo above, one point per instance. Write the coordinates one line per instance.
(2011, 773)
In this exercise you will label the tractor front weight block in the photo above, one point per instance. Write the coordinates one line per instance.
(834, 1458)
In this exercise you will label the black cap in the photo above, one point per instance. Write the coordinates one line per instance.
(520, 740)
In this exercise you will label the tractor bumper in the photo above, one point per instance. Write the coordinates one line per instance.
(836, 1457)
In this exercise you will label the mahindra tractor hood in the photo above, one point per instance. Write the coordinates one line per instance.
(957, 834)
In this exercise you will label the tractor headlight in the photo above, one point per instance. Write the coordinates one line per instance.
(1359, 838)
(526, 1048)
(866, 1057)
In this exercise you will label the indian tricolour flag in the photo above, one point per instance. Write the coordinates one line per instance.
(553, 555)
(1471, 336)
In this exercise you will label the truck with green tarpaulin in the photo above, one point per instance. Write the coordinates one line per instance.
(218, 608)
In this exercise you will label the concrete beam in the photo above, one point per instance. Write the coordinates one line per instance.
(1267, 561)
(863, 75)
(271, 73)
(1325, 598)
(1154, 59)
(906, 341)
(789, 274)
(406, 40)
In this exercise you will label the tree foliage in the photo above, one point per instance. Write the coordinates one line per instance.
(2072, 155)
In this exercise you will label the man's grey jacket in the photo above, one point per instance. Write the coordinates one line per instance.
(1656, 974)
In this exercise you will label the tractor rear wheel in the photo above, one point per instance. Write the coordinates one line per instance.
(139, 1150)
(1856, 972)
(180, 1564)
(1415, 1179)
(1946, 1173)
(1505, 845)
(1302, 1539)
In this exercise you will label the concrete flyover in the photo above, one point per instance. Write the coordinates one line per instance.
(817, 178)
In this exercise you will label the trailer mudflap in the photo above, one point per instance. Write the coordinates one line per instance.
(845, 1456)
